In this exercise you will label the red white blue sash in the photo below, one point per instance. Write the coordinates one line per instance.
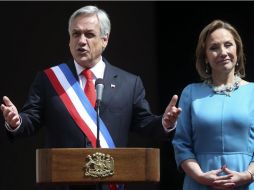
(78, 105)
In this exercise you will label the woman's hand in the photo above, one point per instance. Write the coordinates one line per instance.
(213, 179)
(238, 178)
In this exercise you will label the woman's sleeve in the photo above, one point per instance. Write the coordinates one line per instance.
(182, 142)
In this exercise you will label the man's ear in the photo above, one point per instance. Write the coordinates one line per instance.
(105, 41)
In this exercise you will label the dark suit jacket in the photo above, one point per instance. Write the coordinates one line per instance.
(123, 108)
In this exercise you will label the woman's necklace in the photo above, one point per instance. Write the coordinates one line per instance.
(225, 89)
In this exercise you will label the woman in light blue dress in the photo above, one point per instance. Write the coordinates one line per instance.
(214, 139)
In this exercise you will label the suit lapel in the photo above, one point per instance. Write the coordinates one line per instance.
(72, 67)
(111, 84)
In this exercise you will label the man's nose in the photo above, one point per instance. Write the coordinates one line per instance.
(82, 39)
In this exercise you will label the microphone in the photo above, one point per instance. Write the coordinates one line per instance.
(99, 90)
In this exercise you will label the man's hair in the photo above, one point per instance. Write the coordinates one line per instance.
(102, 16)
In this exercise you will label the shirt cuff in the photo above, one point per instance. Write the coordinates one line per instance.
(7, 126)
(168, 130)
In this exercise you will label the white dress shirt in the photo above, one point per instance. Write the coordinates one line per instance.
(97, 70)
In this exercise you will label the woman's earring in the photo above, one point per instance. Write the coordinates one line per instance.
(206, 68)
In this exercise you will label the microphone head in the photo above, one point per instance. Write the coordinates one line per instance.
(99, 88)
(99, 81)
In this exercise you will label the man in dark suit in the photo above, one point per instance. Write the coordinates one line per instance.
(51, 105)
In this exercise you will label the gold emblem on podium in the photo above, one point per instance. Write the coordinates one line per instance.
(99, 165)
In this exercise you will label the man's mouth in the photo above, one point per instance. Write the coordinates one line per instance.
(82, 50)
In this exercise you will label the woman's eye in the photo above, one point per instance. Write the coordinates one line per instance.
(213, 47)
(228, 45)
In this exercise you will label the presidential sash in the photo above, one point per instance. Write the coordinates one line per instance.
(78, 105)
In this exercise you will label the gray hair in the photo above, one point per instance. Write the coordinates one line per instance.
(102, 16)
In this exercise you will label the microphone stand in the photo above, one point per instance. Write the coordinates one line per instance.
(99, 89)
(98, 102)
(97, 107)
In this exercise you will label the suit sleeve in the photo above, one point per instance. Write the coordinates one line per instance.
(143, 119)
(32, 111)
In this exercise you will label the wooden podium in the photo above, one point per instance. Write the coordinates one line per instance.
(81, 165)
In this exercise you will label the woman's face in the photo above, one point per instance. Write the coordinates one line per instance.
(221, 51)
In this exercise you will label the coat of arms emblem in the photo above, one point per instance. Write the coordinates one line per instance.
(99, 165)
